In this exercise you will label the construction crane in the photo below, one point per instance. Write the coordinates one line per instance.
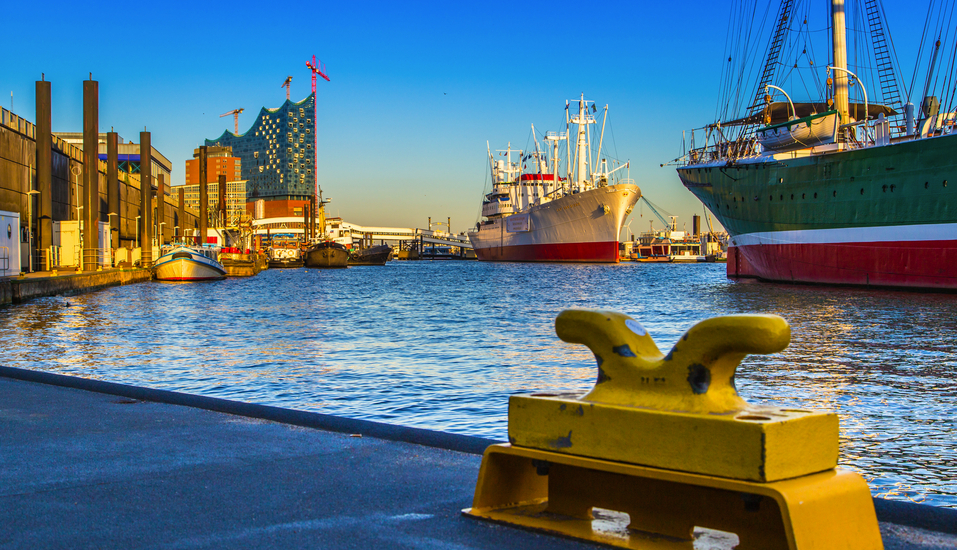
(319, 69)
(286, 85)
(316, 69)
(235, 113)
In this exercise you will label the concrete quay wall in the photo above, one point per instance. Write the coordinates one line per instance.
(17, 290)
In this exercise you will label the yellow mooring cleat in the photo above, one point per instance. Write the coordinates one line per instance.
(665, 444)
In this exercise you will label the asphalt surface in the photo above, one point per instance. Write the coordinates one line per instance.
(80, 469)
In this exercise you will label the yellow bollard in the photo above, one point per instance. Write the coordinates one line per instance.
(667, 440)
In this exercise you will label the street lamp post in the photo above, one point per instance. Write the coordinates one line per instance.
(30, 194)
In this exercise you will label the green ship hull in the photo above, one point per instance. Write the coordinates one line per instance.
(875, 216)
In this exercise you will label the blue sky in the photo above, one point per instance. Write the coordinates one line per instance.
(416, 89)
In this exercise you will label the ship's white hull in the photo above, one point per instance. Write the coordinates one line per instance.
(185, 264)
(582, 227)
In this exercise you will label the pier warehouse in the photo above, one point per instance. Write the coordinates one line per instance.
(277, 156)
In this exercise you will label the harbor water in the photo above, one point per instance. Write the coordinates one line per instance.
(441, 345)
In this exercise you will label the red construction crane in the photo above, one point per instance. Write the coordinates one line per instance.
(235, 113)
(286, 85)
(317, 69)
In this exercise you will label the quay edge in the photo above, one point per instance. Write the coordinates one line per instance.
(931, 520)
(15, 290)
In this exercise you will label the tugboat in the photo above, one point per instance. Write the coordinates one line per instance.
(542, 214)
(326, 254)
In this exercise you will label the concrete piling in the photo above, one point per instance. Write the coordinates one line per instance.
(44, 164)
(91, 178)
(146, 208)
(161, 207)
(222, 199)
(312, 219)
(181, 218)
(203, 205)
(113, 187)
(306, 234)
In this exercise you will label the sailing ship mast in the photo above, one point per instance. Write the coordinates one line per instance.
(839, 44)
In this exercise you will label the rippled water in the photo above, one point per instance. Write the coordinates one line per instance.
(442, 345)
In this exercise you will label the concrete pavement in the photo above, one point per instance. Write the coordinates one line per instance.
(80, 469)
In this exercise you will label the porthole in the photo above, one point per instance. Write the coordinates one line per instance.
(780, 180)
(945, 183)
(862, 190)
(792, 196)
(893, 187)
(834, 194)
(926, 184)
(884, 188)
(815, 195)
(782, 197)
(770, 197)
(803, 195)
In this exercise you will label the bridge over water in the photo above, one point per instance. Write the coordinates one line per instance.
(428, 242)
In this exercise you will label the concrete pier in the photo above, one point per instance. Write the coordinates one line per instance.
(91, 464)
(15, 290)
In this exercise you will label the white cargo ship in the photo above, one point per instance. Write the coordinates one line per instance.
(541, 213)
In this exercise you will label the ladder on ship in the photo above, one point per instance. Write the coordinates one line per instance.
(767, 75)
(885, 66)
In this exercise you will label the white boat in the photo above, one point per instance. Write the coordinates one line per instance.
(544, 214)
(188, 263)
(798, 133)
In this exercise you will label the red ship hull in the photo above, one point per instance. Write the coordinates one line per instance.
(907, 264)
(597, 252)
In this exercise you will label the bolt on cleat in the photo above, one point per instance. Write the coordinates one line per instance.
(666, 442)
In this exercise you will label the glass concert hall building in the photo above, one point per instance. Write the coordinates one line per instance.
(278, 156)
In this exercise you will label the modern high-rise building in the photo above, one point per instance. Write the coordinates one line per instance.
(219, 161)
(278, 156)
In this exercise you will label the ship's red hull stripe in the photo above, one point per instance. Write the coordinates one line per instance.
(559, 252)
(925, 264)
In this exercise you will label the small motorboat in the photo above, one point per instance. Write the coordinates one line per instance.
(374, 255)
(326, 254)
(188, 263)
